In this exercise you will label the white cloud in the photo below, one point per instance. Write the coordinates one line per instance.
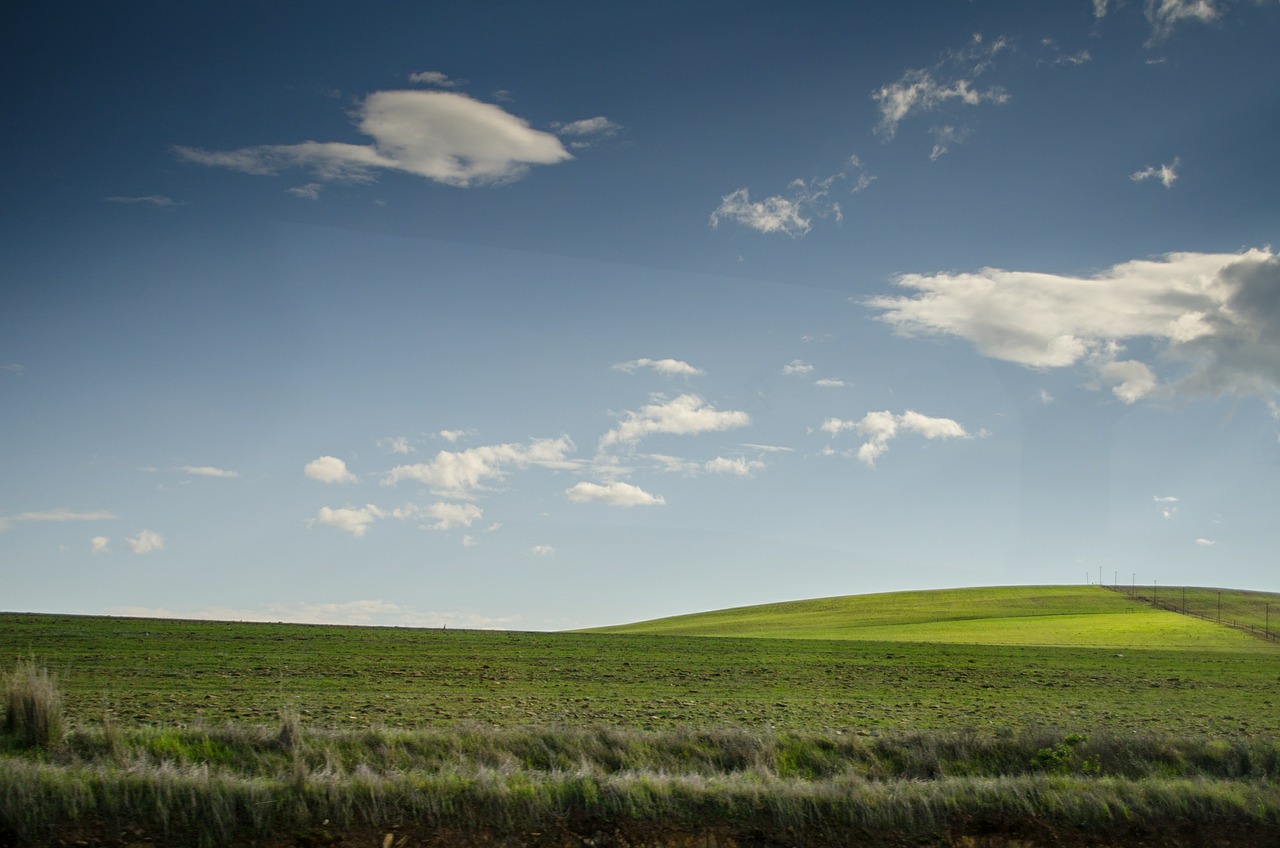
(1166, 174)
(1099, 8)
(830, 383)
(158, 200)
(1168, 505)
(793, 213)
(1216, 315)
(396, 444)
(460, 473)
(145, 542)
(12, 368)
(435, 78)
(588, 131)
(612, 494)
(1205, 542)
(1044, 397)
(207, 471)
(542, 550)
(469, 541)
(880, 428)
(452, 435)
(943, 138)
(443, 136)
(310, 191)
(446, 515)
(674, 367)
(738, 467)
(1165, 14)
(951, 79)
(54, 515)
(328, 469)
(99, 544)
(353, 520)
(685, 415)
(797, 366)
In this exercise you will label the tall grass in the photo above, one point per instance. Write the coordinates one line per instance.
(231, 783)
(32, 706)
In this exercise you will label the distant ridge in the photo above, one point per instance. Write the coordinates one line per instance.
(1063, 616)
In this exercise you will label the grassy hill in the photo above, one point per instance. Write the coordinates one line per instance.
(1064, 616)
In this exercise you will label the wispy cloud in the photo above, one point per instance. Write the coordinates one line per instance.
(673, 367)
(791, 213)
(396, 444)
(1166, 175)
(12, 368)
(54, 515)
(736, 467)
(542, 550)
(463, 473)
(951, 80)
(797, 368)
(687, 414)
(443, 136)
(1206, 543)
(310, 191)
(434, 78)
(208, 471)
(880, 428)
(157, 200)
(587, 132)
(612, 494)
(328, 469)
(1218, 315)
(1164, 15)
(1167, 504)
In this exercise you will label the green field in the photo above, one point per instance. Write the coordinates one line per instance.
(1062, 616)
(908, 718)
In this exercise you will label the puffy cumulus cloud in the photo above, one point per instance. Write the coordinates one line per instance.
(54, 515)
(612, 494)
(685, 415)
(880, 428)
(738, 467)
(792, 213)
(207, 471)
(672, 367)
(950, 80)
(99, 544)
(462, 473)
(1167, 175)
(797, 367)
(1216, 315)
(353, 520)
(453, 435)
(328, 469)
(145, 542)
(440, 135)
(396, 444)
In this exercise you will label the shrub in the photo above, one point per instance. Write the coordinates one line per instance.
(33, 706)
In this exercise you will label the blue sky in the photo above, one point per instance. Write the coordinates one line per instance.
(556, 316)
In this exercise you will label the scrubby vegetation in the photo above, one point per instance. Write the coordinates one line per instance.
(237, 783)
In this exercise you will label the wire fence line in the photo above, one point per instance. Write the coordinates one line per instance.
(1242, 611)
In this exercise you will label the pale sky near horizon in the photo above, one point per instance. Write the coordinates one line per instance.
(553, 316)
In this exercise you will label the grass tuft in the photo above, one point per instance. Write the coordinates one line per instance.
(33, 706)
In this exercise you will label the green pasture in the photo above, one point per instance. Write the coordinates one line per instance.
(1065, 616)
(190, 673)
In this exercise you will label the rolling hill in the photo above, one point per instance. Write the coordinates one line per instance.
(1064, 616)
